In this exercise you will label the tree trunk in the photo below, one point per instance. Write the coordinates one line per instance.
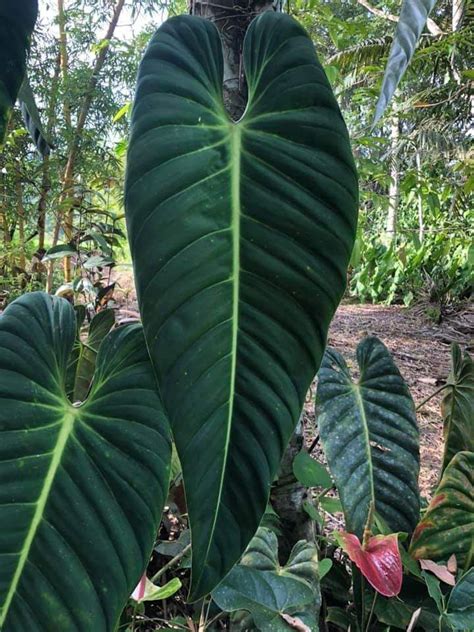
(394, 188)
(65, 202)
(20, 212)
(45, 175)
(421, 225)
(232, 21)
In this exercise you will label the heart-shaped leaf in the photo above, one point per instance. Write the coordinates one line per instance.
(240, 235)
(82, 487)
(457, 407)
(379, 560)
(262, 587)
(17, 20)
(370, 437)
(448, 524)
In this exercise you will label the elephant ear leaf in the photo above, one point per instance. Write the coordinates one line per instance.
(17, 21)
(370, 437)
(240, 233)
(82, 487)
(270, 593)
(457, 407)
(447, 527)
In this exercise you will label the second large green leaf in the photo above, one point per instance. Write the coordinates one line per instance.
(370, 437)
(240, 235)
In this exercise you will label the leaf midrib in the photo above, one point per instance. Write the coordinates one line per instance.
(235, 140)
(365, 425)
(62, 439)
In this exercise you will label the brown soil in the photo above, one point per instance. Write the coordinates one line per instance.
(421, 350)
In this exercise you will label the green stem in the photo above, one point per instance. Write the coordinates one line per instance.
(172, 562)
(427, 399)
(371, 612)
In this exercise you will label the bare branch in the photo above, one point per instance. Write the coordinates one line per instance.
(431, 25)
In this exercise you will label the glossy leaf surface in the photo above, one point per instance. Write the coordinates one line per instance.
(240, 235)
(370, 437)
(448, 524)
(267, 591)
(17, 20)
(412, 20)
(457, 407)
(460, 608)
(379, 561)
(82, 487)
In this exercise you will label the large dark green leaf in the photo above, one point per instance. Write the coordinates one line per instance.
(240, 236)
(448, 524)
(412, 20)
(457, 407)
(17, 20)
(267, 591)
(370, 437)
(81, 487)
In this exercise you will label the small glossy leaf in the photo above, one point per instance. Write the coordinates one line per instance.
(457, 407)
(17, 20)
(370, 437)
(240, 234)
(448, 524)
(460, 608)
(412, 20)
(325, 566)
(59, 251)
(331, 505)
(148, 591)
(82, 487)
(379, 561)
(260, 586)
(310, 472)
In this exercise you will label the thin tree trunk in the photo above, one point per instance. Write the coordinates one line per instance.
(68, 177)
(20, 210)
(394, 188)
(421, 225)
(45, 175)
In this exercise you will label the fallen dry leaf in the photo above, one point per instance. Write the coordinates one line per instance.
(440, 570)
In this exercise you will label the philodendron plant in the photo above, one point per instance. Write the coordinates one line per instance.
(240, 233)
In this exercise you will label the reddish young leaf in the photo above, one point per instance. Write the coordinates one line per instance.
(379, 562)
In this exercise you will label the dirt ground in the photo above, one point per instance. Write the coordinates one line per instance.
(420, 348)
(422, 352)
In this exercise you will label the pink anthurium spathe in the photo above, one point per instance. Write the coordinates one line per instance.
(378, 560)
(139, 591)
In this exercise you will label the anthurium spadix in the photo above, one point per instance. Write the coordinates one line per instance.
(81, 487)
(240, 234)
